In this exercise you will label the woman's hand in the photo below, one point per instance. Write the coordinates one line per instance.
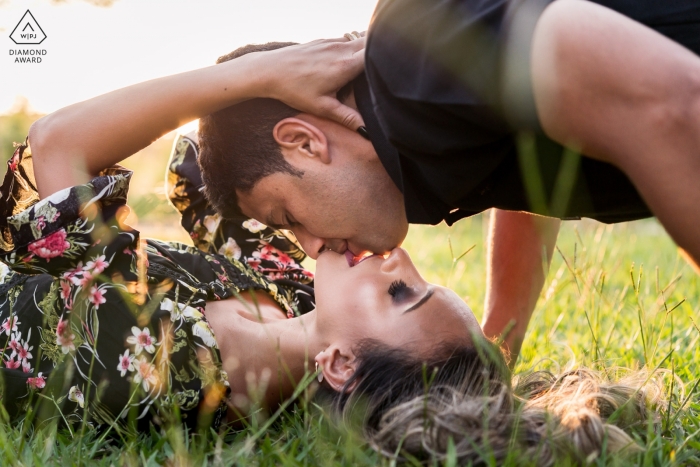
(308, 76)
(73, 144)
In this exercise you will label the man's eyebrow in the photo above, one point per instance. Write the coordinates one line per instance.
(421, 301)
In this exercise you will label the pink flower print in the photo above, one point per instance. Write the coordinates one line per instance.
(55, 216)
(41, 223)
(146, 373)
(64, 336)
(253, 263)
(14, 344)
(14, 161)
(126, 363)
(83, 281)
(71, 273)
(141, 340)
(285, 259)
(26, 367)
(38, 382)
(222, 278)
(51, 246)
(66, 293)
(76, 395)
(12, 364)
(266, 253)
(97, 265)
(97, 297)
(10, 325)
(24, 351)
(65, 289)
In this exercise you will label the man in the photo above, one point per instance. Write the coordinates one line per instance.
(480, 86)
(451, 148)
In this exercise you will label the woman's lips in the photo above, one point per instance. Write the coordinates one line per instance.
(355, 260)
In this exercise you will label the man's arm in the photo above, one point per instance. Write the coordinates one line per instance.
(520, 249)
(625, 94)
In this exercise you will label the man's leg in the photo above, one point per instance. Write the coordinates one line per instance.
(520, 247)
(626, 95)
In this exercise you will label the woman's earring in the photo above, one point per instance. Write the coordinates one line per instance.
(320, 375)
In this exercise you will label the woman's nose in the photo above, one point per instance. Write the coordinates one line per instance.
(396, 258)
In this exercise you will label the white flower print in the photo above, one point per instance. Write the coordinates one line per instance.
(146, 373)
(202, 330)
(212, 223)
(141, 340)
(126, 363)
(230, 249)
(253, 225)
(180, 311)
(76, 395)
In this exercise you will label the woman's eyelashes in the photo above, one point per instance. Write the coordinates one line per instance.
(398, 290)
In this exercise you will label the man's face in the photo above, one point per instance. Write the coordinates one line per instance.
(344, 201)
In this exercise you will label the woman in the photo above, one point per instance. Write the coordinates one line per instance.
(101, 328)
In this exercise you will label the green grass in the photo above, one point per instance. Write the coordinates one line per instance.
(615, 297)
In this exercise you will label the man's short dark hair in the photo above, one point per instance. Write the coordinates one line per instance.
(236, 145)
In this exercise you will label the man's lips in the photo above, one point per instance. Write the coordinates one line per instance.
(355, 260)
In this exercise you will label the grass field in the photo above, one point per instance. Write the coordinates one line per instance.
(615, 297)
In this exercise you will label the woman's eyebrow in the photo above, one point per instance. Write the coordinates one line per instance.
(420, 302)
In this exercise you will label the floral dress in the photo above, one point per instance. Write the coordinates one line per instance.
(99, 326)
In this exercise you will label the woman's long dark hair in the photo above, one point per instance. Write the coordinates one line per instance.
(461, 400)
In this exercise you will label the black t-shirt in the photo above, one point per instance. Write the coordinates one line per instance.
(449, 106)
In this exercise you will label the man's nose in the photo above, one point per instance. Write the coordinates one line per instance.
(313, 245)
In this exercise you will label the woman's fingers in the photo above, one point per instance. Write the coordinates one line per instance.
(332, 109)
(308, 76)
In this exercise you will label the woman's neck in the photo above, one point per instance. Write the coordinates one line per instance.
(265, 354)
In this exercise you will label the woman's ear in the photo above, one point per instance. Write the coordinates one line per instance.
(300, 141)
(337, 366)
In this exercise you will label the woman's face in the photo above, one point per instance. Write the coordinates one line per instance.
(386, 299)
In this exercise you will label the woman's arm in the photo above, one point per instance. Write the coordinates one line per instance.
(72, 144)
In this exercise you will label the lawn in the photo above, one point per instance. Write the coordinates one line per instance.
(615, 297)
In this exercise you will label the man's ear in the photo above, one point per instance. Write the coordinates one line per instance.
(301, 141)
(338, 365)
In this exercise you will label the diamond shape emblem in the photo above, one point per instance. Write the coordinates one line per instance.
(28, 31)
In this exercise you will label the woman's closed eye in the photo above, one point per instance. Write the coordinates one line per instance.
(398, 290)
